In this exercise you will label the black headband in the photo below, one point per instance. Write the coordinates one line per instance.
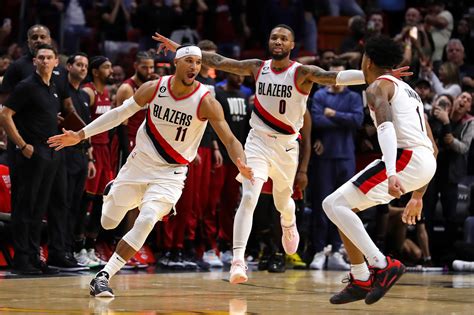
(97, 61)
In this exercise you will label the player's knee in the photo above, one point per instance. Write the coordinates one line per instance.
(328, 205)
(108, 223)
(249, 201)
(146, 221)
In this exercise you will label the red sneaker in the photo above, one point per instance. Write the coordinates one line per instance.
(384, 279)
(354, 291)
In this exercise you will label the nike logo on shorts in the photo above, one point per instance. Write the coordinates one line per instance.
(159, 95)
(287, 150)
(178, 172)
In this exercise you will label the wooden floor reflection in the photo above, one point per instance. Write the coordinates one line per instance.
(292, 292)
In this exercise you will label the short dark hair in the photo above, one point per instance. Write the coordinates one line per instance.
(338, 63)
(72, 58)
(46, 46)
(207, 45)
(143, 55)
(30, 30)
(383, 51)
(286, 27)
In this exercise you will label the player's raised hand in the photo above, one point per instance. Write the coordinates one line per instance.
(166, 44)
(245, 170)
(395, 187)
(401, 72)
(67, 139)
(412, 212)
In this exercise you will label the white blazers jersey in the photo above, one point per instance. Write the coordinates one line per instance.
(172, 128)
(279, 105)
(407, 116)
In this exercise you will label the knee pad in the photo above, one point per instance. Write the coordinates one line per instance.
(150, 213)
(331, 202)
(249, 200)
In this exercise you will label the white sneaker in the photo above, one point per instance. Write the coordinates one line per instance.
(226, 257)
(319, 260)
(84, 260)
(92, 256)
(211, 258)
(336, 262)
(462, 265)
(238, 272)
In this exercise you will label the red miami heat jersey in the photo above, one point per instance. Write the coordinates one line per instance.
(172, 127)
(137, 119)
(407, 116)
(279, 105)
(102, 104)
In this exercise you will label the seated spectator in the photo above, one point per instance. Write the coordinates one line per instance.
(423, 88)
(455, 53)
(463, 33)
(413, 250)
(448, 80)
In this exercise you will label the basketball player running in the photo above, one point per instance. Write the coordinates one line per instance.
(282, 88)
(154, 174)
(407, 165)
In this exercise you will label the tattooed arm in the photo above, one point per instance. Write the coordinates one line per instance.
(213, 60)
(378, 95)
(308, 74)
(240, 67)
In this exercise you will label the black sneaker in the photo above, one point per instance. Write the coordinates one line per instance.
(277, 263)
(354, 291)
(65, 264)
(263, 262)
(45, 269)
(26, 270)
(384, 279)
(99, 286)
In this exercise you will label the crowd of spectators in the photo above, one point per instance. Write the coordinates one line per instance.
(115, 36)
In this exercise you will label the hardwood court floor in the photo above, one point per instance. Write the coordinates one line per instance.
(292, 292)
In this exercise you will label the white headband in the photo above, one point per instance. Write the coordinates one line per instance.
(188, 51)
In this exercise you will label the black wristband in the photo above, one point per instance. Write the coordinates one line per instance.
(23, 147)
(92, 160)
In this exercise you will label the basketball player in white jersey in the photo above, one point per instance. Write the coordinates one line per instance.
(153, 176)
(407, 165)
(282, 88)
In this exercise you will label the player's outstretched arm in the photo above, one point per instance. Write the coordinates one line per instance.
(318, 75)
(106, 121)
(213, 60)
(212, 110)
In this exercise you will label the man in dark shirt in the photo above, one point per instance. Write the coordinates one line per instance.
(19, 70)
(79, 162)
(29, 117)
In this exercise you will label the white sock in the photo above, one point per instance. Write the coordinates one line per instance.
(360, 272)
(244, 217)
(114, 264)
(377, 260)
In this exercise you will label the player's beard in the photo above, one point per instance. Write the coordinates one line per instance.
(143, 78)
(281, 56)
